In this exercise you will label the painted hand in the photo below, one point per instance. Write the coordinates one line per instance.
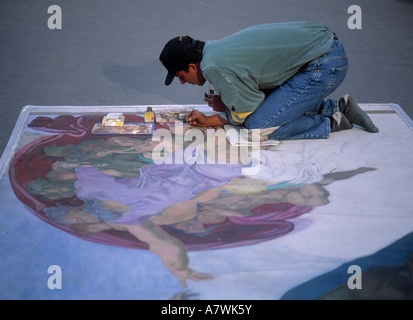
(188, 274)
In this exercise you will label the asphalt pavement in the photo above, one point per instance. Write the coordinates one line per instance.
(106, 52)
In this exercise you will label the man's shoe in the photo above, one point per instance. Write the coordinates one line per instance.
(339, 122)
(355, 114)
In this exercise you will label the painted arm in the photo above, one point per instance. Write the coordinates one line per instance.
(170, 250)
(185, 210)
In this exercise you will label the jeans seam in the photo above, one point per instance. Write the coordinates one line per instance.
(313, 79)
(332, 77)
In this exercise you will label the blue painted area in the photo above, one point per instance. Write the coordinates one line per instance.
(394, 255)
(89, 270)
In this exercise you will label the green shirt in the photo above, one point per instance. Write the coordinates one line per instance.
(261, 57)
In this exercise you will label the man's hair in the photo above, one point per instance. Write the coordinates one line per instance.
(198, 49)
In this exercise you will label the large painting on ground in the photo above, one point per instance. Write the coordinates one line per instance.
(209, 220)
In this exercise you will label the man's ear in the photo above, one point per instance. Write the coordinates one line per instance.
(193, 66)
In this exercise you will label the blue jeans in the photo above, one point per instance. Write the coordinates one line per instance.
(298, 106)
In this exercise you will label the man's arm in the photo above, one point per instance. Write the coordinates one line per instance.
(198, 119)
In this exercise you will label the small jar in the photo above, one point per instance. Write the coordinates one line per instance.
(149, 115)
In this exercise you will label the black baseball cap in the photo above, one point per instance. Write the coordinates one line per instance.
(177, 54)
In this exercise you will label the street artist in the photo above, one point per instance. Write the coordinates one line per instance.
(274, 77)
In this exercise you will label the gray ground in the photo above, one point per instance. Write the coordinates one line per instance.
(107, 51)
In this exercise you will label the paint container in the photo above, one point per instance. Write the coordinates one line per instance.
(113, 120)
(180, 115)
(149, 115)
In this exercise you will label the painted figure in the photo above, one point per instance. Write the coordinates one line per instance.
(108, 190)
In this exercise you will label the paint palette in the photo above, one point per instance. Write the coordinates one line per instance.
(127, 128)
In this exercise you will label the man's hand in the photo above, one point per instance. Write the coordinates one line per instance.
(215, 102)
(198, 119)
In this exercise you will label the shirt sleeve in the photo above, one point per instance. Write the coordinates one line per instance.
(239, 95)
